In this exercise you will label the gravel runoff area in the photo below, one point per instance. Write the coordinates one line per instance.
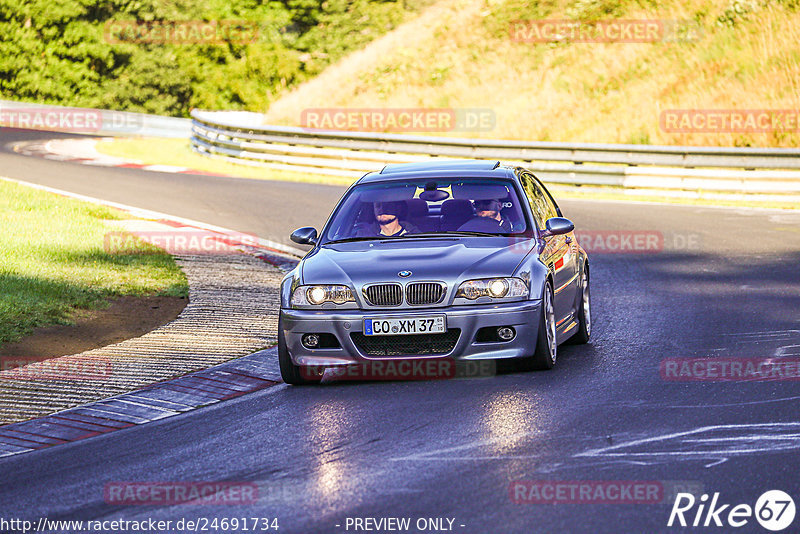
(232, 312)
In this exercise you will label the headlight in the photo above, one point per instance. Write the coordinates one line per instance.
(316, 295)
(496, 288)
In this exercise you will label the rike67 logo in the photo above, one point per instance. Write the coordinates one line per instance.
(774, 510)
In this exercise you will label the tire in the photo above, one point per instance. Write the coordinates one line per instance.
(291, 373)
(584, 313)
(546, 352)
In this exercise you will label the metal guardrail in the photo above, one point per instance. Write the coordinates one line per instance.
(242, 137)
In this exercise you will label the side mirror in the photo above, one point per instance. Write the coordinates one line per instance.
(558, 226)
(305, 236)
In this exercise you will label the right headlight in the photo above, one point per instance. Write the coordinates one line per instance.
(320, 294)
(496, 288)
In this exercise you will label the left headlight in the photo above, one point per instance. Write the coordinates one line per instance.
(496, 288)
(317, 295)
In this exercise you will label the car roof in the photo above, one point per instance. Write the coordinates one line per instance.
(471, 168)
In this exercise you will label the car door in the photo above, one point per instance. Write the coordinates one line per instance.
(557, 253)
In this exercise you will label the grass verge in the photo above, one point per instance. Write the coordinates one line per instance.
(177, 152)
(53, 262)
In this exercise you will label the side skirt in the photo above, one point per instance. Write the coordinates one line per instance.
(567, 327)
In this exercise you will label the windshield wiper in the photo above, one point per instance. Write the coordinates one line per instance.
(405, 236)
(455, 233)
(351, 239)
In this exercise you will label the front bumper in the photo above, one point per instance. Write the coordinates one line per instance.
(523, 316)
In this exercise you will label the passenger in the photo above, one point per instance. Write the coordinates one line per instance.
(486, 211)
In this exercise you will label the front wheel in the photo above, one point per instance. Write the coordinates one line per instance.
(544, 356)
(291, 373)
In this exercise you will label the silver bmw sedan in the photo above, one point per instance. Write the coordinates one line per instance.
(441, 261)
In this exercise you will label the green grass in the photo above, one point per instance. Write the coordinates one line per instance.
(53, 262)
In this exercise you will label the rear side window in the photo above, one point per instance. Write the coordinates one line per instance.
(541, 205)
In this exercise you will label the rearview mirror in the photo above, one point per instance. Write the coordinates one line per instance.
(558, 226)
(305, 236)
(432, 194)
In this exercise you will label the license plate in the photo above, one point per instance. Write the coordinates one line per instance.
(392, 326)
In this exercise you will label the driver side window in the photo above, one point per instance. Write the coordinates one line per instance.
(541, 206)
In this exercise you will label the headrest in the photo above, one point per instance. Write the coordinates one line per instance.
(456, 208)
(417, 208)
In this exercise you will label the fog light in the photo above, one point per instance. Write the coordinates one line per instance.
(311, 341)
(506, 333)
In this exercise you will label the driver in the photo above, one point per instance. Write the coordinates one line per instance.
(490, 209)
(387, 221)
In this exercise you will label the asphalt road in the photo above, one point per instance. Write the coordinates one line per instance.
(725, 285)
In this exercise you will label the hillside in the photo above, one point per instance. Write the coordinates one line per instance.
(461, 54)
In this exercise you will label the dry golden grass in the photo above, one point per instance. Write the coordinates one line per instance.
(458, 54)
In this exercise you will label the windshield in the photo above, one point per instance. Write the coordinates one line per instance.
(425, 207)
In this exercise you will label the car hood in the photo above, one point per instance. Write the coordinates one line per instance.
(447, 259)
